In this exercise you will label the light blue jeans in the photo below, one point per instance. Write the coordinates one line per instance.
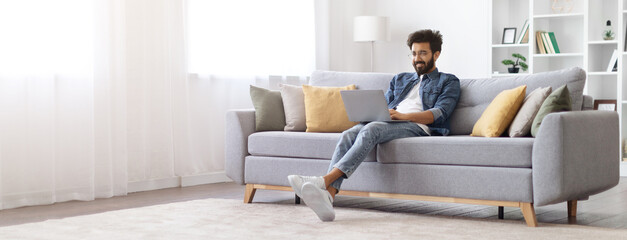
(356, 142)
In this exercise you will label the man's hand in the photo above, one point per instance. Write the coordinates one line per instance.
(425, 117)
(395, 115)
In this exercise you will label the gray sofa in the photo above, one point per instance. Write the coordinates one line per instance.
(574, 155)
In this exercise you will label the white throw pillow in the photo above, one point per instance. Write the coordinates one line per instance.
(521, 126)
(294, 106)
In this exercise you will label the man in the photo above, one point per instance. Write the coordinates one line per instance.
(426, 98)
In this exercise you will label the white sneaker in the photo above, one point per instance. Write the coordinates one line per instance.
(320, 201)
(297, 181)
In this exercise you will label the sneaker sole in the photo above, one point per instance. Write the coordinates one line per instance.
(315, 199)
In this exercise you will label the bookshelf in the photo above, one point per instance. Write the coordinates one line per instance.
(578, 28)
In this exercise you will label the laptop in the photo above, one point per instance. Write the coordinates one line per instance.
(366, 106)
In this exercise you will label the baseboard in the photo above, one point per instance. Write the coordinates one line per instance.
(186, 181)
(207, 178)
(153, 184)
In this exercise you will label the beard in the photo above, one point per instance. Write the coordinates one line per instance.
(425, 66)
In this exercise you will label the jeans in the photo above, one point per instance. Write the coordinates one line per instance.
(356, 142)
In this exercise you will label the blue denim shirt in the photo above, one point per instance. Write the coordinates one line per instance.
(439, 93)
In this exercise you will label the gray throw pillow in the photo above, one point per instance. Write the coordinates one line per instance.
(558, 101)
(294, 106)
(521, 126)
(269, 114)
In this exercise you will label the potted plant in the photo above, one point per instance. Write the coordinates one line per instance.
(608, 35)
(520, 61)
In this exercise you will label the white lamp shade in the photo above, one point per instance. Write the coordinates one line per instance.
(370, 29)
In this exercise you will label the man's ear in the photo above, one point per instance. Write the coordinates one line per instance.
(436, 55)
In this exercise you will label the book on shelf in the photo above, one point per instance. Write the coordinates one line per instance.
(613, 64)
(554, 42)
(547, 43)
(540, 43)
(524, 33)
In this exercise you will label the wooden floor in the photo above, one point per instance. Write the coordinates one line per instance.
(607, 209)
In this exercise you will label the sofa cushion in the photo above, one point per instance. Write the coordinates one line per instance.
(363, 81)
(324, 109)
(458, 150)
(294, 106)
(269, 114)
(521, 126)
(500, 113)
(557, 101)
(476, 94)
(296, 144)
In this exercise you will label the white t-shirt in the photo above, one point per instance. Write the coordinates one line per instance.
(412, 103)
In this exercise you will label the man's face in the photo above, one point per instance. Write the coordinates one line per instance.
(423, 59)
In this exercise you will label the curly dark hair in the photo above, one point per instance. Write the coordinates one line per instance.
(433, 37)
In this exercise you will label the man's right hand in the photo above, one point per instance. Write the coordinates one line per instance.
(395, 115)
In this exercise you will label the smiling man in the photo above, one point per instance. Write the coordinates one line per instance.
(426, 98)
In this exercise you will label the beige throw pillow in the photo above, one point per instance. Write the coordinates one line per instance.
(521, 126)
(294, 106)
(324, 109)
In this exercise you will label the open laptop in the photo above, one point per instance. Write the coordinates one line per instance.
(366, 106)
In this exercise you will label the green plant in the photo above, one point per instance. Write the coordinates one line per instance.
(608, 34)
(520, 60)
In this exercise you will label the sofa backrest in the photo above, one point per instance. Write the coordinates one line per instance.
(363, 81)
(476, 94)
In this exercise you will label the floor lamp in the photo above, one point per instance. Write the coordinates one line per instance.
(371, 29)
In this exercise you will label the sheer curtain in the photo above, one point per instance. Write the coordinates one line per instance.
(237, 43)
(96, 99)
(47, 145)
(93, 99)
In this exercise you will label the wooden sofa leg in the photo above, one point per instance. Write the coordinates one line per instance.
(250, 193)
(529, 214)
(572, 208)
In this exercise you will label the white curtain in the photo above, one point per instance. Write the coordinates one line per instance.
(237, 43)
(96, 98)
(93, 97)
(47, 137)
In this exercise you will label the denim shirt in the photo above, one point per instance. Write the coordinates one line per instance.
(439, 93)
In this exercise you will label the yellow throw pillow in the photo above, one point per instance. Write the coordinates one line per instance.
(500, 113)
(324, 109)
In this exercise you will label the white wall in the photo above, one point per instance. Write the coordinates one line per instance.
(464, 25)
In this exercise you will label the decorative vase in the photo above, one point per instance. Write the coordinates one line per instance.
(513, 70)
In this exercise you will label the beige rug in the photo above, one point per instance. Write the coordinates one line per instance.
(232, 219)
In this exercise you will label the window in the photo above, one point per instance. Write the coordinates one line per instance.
(251, 37)
(45, 37)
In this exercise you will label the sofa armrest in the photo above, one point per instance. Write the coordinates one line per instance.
(575, 154)
(239, 125)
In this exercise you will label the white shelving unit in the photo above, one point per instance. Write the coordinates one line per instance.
(578, 27)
